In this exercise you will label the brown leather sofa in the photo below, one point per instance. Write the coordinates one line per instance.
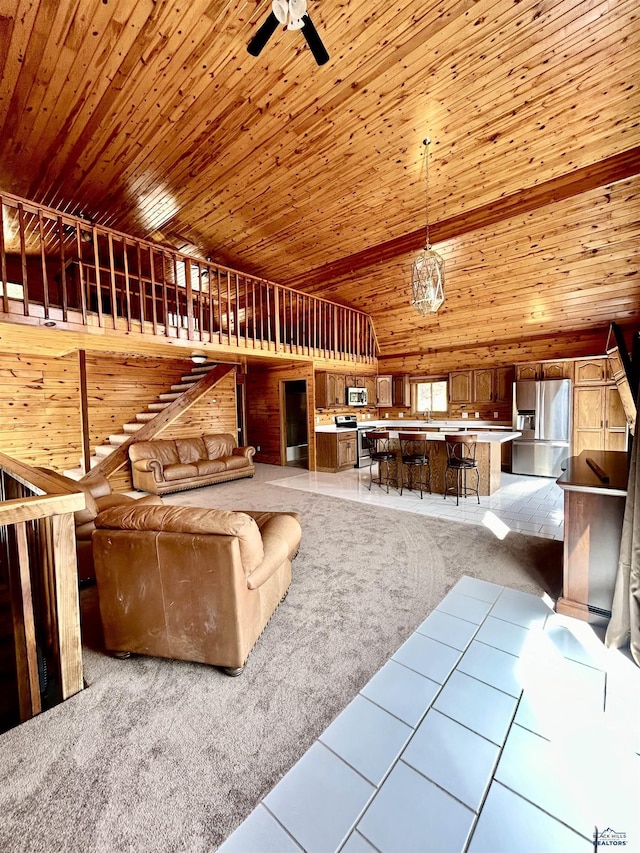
(171, 465)
(99, 496)
(189, 583)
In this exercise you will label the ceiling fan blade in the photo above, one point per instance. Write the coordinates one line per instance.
(310, 33)
(262, 36)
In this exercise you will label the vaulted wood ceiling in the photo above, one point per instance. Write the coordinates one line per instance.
(151, 117)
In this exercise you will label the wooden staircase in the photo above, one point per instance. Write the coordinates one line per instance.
(143, 419)
(625, 371)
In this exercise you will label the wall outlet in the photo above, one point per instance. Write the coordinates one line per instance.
(400, 414)
(495, 414)
(464, 414)
(477, 414)
(386, 414)
(258, 448)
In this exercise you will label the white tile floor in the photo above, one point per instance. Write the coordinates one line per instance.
(497, 726)
(532, 505)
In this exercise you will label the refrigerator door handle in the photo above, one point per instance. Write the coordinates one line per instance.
(539, 412)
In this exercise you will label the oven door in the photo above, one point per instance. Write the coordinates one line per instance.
(363, 449)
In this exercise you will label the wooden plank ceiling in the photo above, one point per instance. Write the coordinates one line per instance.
(152, 118)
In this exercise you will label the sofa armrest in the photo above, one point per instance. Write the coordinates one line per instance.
(151, 465)
(281, 534)
(247, 452)
(276, 552)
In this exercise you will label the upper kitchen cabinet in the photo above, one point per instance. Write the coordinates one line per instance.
(591, 371)
(401, 391)
(384, 390)
(330, 390)
(483, 381)
(505, 377)
(370, 385)
(352, 381)
(556, 369)
(562, 369)
(526, 372)
(460, 386)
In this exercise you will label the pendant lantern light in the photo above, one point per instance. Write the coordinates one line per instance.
(427, 275)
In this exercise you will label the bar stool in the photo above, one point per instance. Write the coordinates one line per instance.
(461, 459)
(415, 460)
(379, 451)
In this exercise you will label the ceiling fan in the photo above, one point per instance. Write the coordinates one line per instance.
(293, 13)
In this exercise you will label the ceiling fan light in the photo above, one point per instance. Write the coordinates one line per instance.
(280, 9)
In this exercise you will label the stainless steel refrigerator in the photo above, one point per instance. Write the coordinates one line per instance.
(542, 413)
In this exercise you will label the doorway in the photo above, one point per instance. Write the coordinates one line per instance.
(295, 431)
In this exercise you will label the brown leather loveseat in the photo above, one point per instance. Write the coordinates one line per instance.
(170, 465)
(189, 583)
(99, 496)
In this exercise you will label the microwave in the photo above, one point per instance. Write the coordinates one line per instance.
(357, 397)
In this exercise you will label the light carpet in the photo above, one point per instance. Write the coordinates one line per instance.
(160, 755)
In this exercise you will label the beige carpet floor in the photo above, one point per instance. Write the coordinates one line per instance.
(158, 755)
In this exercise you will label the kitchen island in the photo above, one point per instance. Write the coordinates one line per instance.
(488, 449)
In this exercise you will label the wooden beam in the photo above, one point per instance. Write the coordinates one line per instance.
(616, 168)
(120, 456)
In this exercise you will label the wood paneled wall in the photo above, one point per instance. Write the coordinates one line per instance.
(119, 388)
(263, 409)
(39, 410)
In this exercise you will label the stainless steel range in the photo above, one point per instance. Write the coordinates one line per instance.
(351, 422)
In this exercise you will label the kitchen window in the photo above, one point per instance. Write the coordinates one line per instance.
(429, 396)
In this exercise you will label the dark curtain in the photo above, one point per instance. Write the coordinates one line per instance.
(624, 626)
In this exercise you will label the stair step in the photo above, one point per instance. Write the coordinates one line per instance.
(183, 387)
(169, 398)
(74, 473)
(132, 427)
(145, 417)
(103, 450)
(120, 438)
(157, 407)
(190, 379)
(204, 368)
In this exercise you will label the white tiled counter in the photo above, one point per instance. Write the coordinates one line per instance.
(490, 729)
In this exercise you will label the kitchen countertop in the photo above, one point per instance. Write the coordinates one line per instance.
(402, 425)
(469, 425)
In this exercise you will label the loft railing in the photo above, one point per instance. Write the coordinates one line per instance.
(39, 589)
(61, 269)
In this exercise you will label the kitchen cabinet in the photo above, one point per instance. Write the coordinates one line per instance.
(599, 422)
(590, 371)
(483, 381)
(556, 369)
(401, 391)
(352, 381)
(525, 372)
(561, 369)
(336, 451)
(472, 386)
(384, 390)
(330, 390)
(460, 386)
(370, 385)
(504, 384)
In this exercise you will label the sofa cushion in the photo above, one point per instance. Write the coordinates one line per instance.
(219, 445)
(191, 449)
(179, 472)
(232, 463)
(209, 466)
(187, 519)
(163, 450)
